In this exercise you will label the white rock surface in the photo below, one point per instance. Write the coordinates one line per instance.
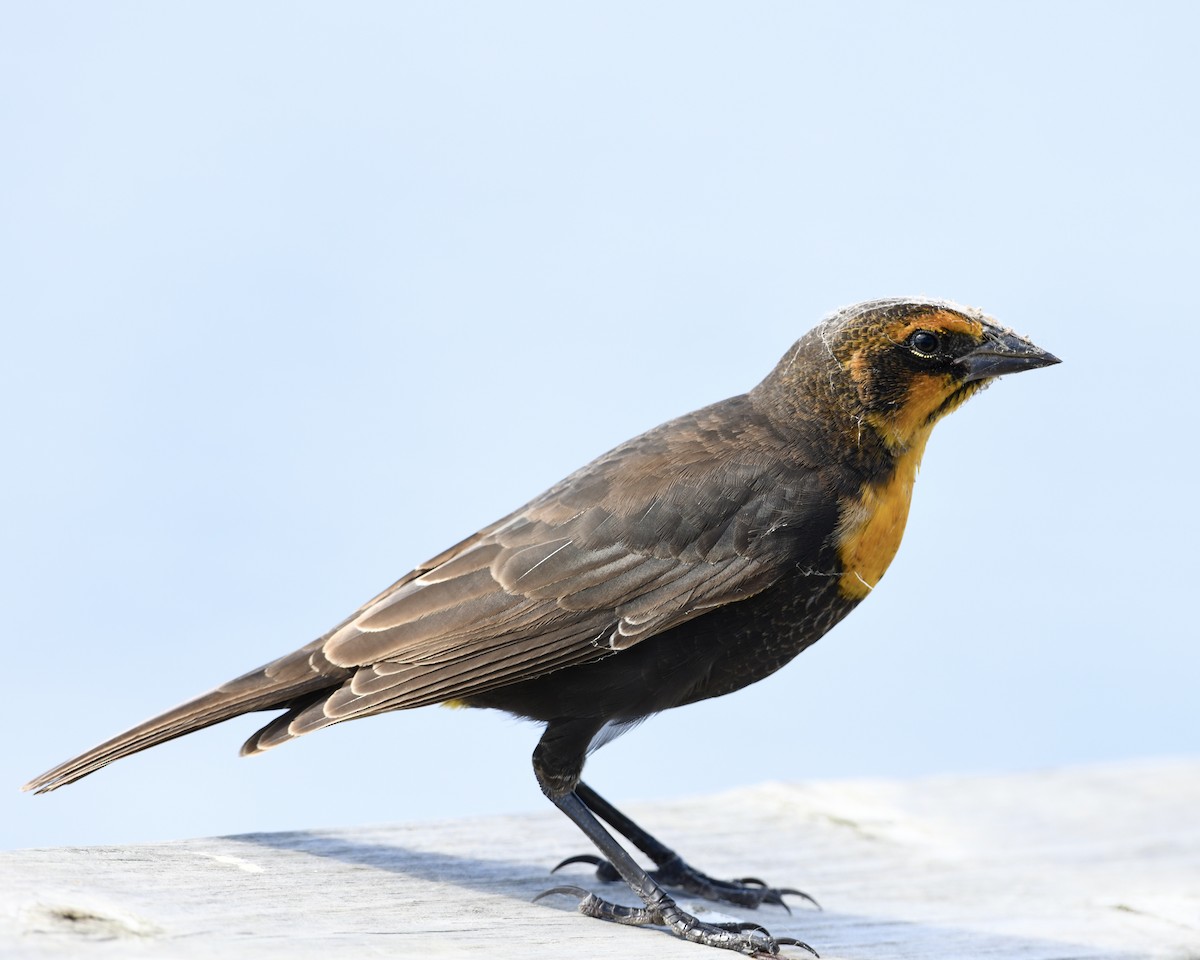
(1094, 862)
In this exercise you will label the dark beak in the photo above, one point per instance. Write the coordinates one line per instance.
(1004, 352)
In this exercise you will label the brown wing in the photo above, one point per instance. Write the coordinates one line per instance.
(660, 530)
(698, 513)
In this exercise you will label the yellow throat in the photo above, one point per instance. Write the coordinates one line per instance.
(871, 527)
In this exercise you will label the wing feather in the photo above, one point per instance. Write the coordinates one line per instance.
(636, 543)
(703, 511)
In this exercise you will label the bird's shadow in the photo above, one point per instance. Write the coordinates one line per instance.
(835, 934)
(518, 880)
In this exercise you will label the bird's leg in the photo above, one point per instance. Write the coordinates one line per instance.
(659, 910)
(673, 871)
(557, 767)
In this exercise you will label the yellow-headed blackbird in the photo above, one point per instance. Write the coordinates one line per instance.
(685, 564)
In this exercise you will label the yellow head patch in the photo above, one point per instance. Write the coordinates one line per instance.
(904, 401)
(937, 321)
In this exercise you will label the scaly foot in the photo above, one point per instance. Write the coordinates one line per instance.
(749, 939)
(674, 872)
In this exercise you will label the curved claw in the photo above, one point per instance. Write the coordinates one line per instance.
(775, 895)
(793, 942)
(605, 871)
(581, 858)
(571, 891)
(785, 891)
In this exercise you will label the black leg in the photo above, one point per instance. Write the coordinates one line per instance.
(672, 870)
(660, 910)
(557, 763)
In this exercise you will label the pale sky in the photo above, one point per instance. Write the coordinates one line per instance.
(296, 295)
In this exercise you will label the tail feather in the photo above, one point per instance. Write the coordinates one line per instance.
(296, 679)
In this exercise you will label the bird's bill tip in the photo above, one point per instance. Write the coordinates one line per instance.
(1004, 353)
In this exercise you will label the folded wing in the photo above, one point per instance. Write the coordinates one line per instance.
(683, 519)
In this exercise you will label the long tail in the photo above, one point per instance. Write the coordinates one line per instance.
(291, 682)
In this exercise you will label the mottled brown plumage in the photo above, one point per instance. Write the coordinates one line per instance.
(684, 564)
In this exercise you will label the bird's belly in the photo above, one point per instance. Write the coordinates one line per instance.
(782, 623)
(717, 653)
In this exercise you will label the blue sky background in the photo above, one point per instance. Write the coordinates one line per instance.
(295, 295)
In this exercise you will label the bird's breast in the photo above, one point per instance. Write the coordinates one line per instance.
(872, 524)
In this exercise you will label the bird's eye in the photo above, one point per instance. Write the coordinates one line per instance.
(924, 342)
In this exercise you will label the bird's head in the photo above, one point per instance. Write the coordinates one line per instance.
(899, 366)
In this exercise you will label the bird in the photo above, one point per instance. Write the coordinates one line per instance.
(684, 564)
